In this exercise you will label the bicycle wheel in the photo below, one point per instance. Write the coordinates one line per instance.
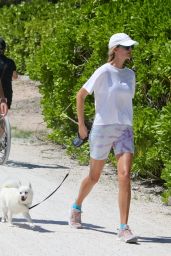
(5, 139)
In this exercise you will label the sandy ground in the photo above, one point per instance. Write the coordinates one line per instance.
(45, 165)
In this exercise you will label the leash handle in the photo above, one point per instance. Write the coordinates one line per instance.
(50, 193)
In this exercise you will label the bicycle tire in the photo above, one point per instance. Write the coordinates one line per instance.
(5, 140)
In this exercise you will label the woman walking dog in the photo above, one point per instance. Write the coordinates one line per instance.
(113, 86)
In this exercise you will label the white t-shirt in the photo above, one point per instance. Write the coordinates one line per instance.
(113, 90)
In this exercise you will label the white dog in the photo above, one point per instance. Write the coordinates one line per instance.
(15, 198)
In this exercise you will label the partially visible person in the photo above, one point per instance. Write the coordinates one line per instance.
(7, 73)
(3, 108)
(3, 102)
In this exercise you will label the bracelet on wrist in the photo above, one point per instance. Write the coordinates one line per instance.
(3, 100)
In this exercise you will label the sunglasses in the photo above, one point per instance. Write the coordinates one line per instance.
(126, 47)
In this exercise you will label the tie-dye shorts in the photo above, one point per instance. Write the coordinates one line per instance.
(104, 137)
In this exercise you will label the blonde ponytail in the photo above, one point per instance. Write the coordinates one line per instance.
(111, 54)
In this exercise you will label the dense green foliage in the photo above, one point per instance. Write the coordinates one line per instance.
(61, 43)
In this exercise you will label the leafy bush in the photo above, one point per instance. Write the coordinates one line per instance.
(148, 161)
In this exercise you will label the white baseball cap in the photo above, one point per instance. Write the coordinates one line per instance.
(121, 39)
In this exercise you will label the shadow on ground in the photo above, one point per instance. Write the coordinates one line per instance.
(17, 164)
(86, 226)
(159, 239)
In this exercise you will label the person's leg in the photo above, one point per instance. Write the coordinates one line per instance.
(96, 167)
(100, 144)
(124, 163)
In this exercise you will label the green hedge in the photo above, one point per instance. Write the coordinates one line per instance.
(62, 43)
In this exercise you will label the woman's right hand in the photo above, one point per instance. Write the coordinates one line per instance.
(83, 131)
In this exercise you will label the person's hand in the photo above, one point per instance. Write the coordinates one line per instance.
(81, 137)
(83, 131)
(3, 109)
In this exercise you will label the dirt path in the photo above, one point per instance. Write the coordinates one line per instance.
(45, 165)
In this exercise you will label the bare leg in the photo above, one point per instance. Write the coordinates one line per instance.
(96, 167)
(124, 163)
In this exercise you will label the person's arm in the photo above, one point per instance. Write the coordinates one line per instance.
(81, 95)
(3, 102)
(14, 75)
(14, 68)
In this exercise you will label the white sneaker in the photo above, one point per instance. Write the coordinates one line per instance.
(75, 218)
(126, 235)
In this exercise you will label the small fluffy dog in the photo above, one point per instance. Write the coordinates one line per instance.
(15, 198)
